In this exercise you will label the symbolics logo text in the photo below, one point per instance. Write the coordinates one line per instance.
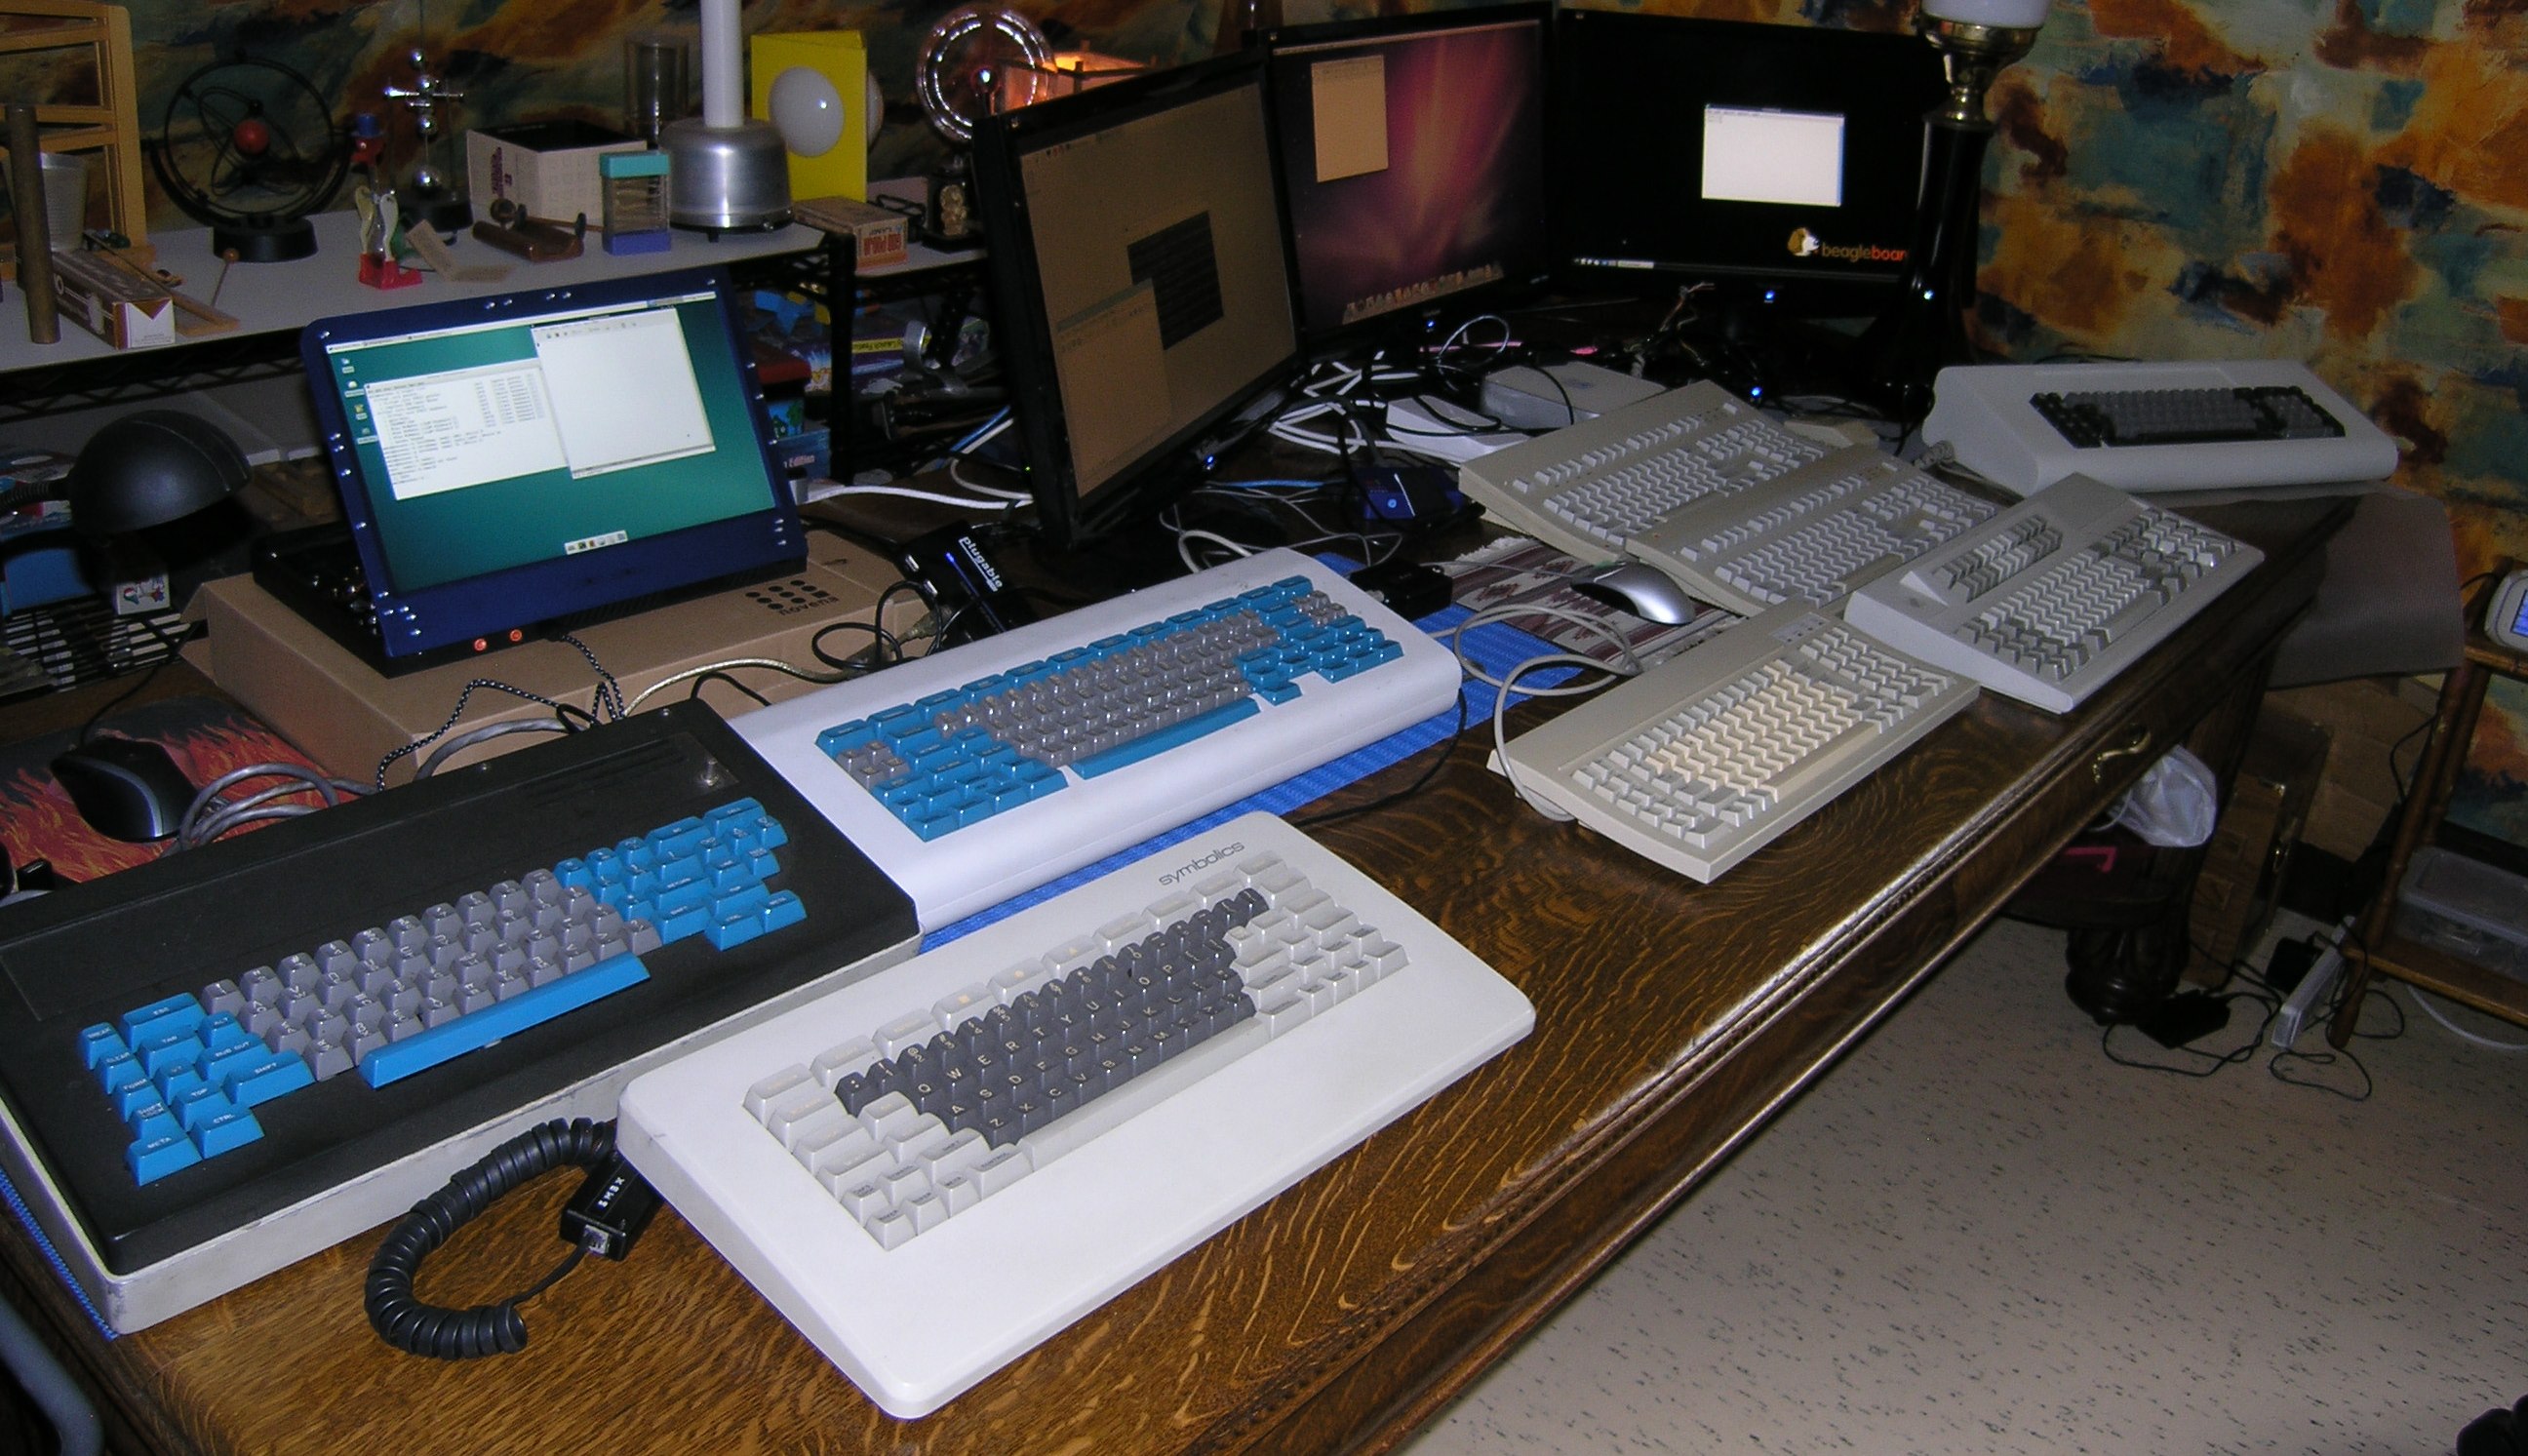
(1807, 244)
(1194, 866)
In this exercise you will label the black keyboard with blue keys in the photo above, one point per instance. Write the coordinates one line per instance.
(222, 1061)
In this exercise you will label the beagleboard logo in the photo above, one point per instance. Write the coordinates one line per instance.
(1807, 244)
(1187, 870)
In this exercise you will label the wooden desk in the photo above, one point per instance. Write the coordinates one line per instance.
(1672, 1020)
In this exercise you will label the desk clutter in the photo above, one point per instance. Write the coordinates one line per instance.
(950, 993)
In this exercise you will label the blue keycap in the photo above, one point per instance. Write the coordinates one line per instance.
(154, 1158)
(177, 1012)
(228, 1131)
(121, 1072)
(425, 1050)
(276, 1076)
(100, 1044)
(1150, 745)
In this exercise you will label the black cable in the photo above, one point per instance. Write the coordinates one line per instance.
(1447, 748)
(694, 692)
(2213, 1062)
(191, 629)
(417, 1327)
(883, 643)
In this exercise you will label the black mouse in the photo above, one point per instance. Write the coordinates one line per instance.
(125, 788)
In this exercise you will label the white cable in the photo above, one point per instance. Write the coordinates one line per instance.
(934, 496)
(1500, 727)
(771, 664)
(1014, 499)
(1184, 550)
(2460, 1033)
(1625, 665)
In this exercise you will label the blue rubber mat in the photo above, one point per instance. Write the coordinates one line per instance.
(1495, 647)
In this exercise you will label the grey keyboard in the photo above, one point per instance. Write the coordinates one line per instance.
(1706, 757)
(2090, 418)
(2050, 600)
(1815, 535)
(1738, 510)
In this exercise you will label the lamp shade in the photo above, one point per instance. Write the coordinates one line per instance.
(2025, 14)
(149, 468)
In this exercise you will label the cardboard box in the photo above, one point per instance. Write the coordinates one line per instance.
(112, 302)
(548, 168)
(347, 717)
(884, 235)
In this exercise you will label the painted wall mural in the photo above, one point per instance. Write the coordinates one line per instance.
(2342, 182)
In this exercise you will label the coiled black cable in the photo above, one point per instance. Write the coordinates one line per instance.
(416, 1328)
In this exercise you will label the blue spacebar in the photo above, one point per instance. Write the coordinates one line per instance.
(1152, 744)
(425, 1050)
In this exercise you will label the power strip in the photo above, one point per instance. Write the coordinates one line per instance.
(2311, 993)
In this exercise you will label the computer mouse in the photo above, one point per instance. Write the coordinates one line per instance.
(1644, 590)
(125, 788)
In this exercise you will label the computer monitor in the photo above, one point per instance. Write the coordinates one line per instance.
(548, 456)
(1779, 162)
(1141, 289)
(1413, 156)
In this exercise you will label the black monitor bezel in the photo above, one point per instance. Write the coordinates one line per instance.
(1521, 277)
(478, 613)
(1026, 343)
(1590, 167)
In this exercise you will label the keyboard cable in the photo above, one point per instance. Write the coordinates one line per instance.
(1625, 665)
(604, 1218)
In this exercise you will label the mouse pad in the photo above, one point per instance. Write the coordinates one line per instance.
(205, 735)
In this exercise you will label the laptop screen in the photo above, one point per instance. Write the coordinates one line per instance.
(507, 462)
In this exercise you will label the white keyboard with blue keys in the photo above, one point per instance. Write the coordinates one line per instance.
(226, 1060)
(976, 773)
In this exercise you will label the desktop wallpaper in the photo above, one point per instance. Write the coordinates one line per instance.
(2341, 181)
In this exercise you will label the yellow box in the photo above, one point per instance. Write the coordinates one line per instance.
(840, 169)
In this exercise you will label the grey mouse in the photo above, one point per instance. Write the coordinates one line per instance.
(1644, 590)
(127, 789)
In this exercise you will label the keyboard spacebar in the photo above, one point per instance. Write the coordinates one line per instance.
(1150, 745)
(1145, 1091)
(425, 1050)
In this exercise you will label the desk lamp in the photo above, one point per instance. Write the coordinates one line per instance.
(1925, 329)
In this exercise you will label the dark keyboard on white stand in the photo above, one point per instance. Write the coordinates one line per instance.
(931, 1171)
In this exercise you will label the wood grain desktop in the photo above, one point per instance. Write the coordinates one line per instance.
(1672, 1020)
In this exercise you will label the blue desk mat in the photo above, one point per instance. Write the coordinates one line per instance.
(1495, 647)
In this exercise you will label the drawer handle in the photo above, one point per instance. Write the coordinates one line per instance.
(2136, 740)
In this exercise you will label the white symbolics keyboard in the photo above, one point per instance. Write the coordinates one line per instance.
(1812, 536)
(2173, 425)
(2051, 599)
(1707, 756)
(976, 773)
(1740, 512)
(1218, 1020)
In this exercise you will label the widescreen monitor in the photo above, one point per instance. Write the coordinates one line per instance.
(1412, 155)
(546, 456)
(1141, 289)
(1779, 162)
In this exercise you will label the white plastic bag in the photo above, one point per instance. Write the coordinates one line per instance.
(2175, 804)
